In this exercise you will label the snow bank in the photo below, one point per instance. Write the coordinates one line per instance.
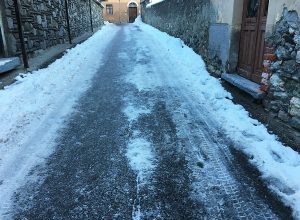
(34, 108)
(279, 165)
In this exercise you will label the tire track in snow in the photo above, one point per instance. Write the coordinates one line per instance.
(171, 178)
(214, 172)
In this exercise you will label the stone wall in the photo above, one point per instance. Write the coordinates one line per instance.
(44, 23)
(97, 14)
(185, 19)
(282, 71)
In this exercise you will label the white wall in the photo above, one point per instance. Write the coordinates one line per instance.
(276, 8)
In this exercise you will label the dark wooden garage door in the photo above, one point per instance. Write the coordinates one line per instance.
(132, 14)
(253, 39)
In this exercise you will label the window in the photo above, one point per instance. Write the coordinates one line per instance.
(253, 6)
(109, 9)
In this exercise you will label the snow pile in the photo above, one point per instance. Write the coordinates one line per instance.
(279, 165)
(133, 113)
(139, 151)
(140, 155)
(34, 108)
(153, 2)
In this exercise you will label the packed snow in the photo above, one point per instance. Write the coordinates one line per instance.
(140, 155)
(279, 165)
(133, 113)
(37, 106)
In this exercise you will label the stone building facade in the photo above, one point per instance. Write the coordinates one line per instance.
(44, 23)
(116, 11)
(219, 30)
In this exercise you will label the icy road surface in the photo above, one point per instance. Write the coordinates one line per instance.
(143, 132)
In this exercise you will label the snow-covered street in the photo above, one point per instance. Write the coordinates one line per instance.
(129, 125)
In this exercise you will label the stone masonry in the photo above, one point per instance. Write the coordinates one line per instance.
(282, 71)
(44, 22)
(188, 20)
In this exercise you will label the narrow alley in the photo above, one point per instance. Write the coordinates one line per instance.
(141, 142)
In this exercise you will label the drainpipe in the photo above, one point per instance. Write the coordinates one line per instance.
(120, 11)
(21, 35)
(91, 16)
(68, 21)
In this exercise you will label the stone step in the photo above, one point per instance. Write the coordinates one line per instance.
(7, 64)
(244, 84)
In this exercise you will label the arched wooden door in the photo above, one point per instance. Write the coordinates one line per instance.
(132, 12)
(252, 41)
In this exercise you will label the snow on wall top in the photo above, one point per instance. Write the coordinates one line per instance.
(154, 2)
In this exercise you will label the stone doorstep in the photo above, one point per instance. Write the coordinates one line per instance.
(8, 64)
(244, 84)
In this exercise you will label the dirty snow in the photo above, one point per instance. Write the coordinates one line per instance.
(35, 107)
(42, 101)
(140, 155)
(133, 112)
(279, 165)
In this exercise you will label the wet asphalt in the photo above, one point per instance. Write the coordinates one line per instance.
(89, 176)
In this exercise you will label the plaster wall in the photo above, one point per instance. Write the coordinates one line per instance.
(276, 9)
(120, 10)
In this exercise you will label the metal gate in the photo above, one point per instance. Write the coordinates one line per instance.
(253, 39)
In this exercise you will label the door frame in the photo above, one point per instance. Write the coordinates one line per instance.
(137, 8)
(260, 25)
(3, 45)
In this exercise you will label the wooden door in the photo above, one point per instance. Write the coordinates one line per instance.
(253, 39)
(132, 11)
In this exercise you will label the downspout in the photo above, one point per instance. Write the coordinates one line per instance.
(68, 21)
(120, 11)
(91, 16)
(21, 35)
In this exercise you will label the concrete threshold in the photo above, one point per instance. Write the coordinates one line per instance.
(244, 84)
(8, 64)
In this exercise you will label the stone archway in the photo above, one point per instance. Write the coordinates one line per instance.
(132, 11)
